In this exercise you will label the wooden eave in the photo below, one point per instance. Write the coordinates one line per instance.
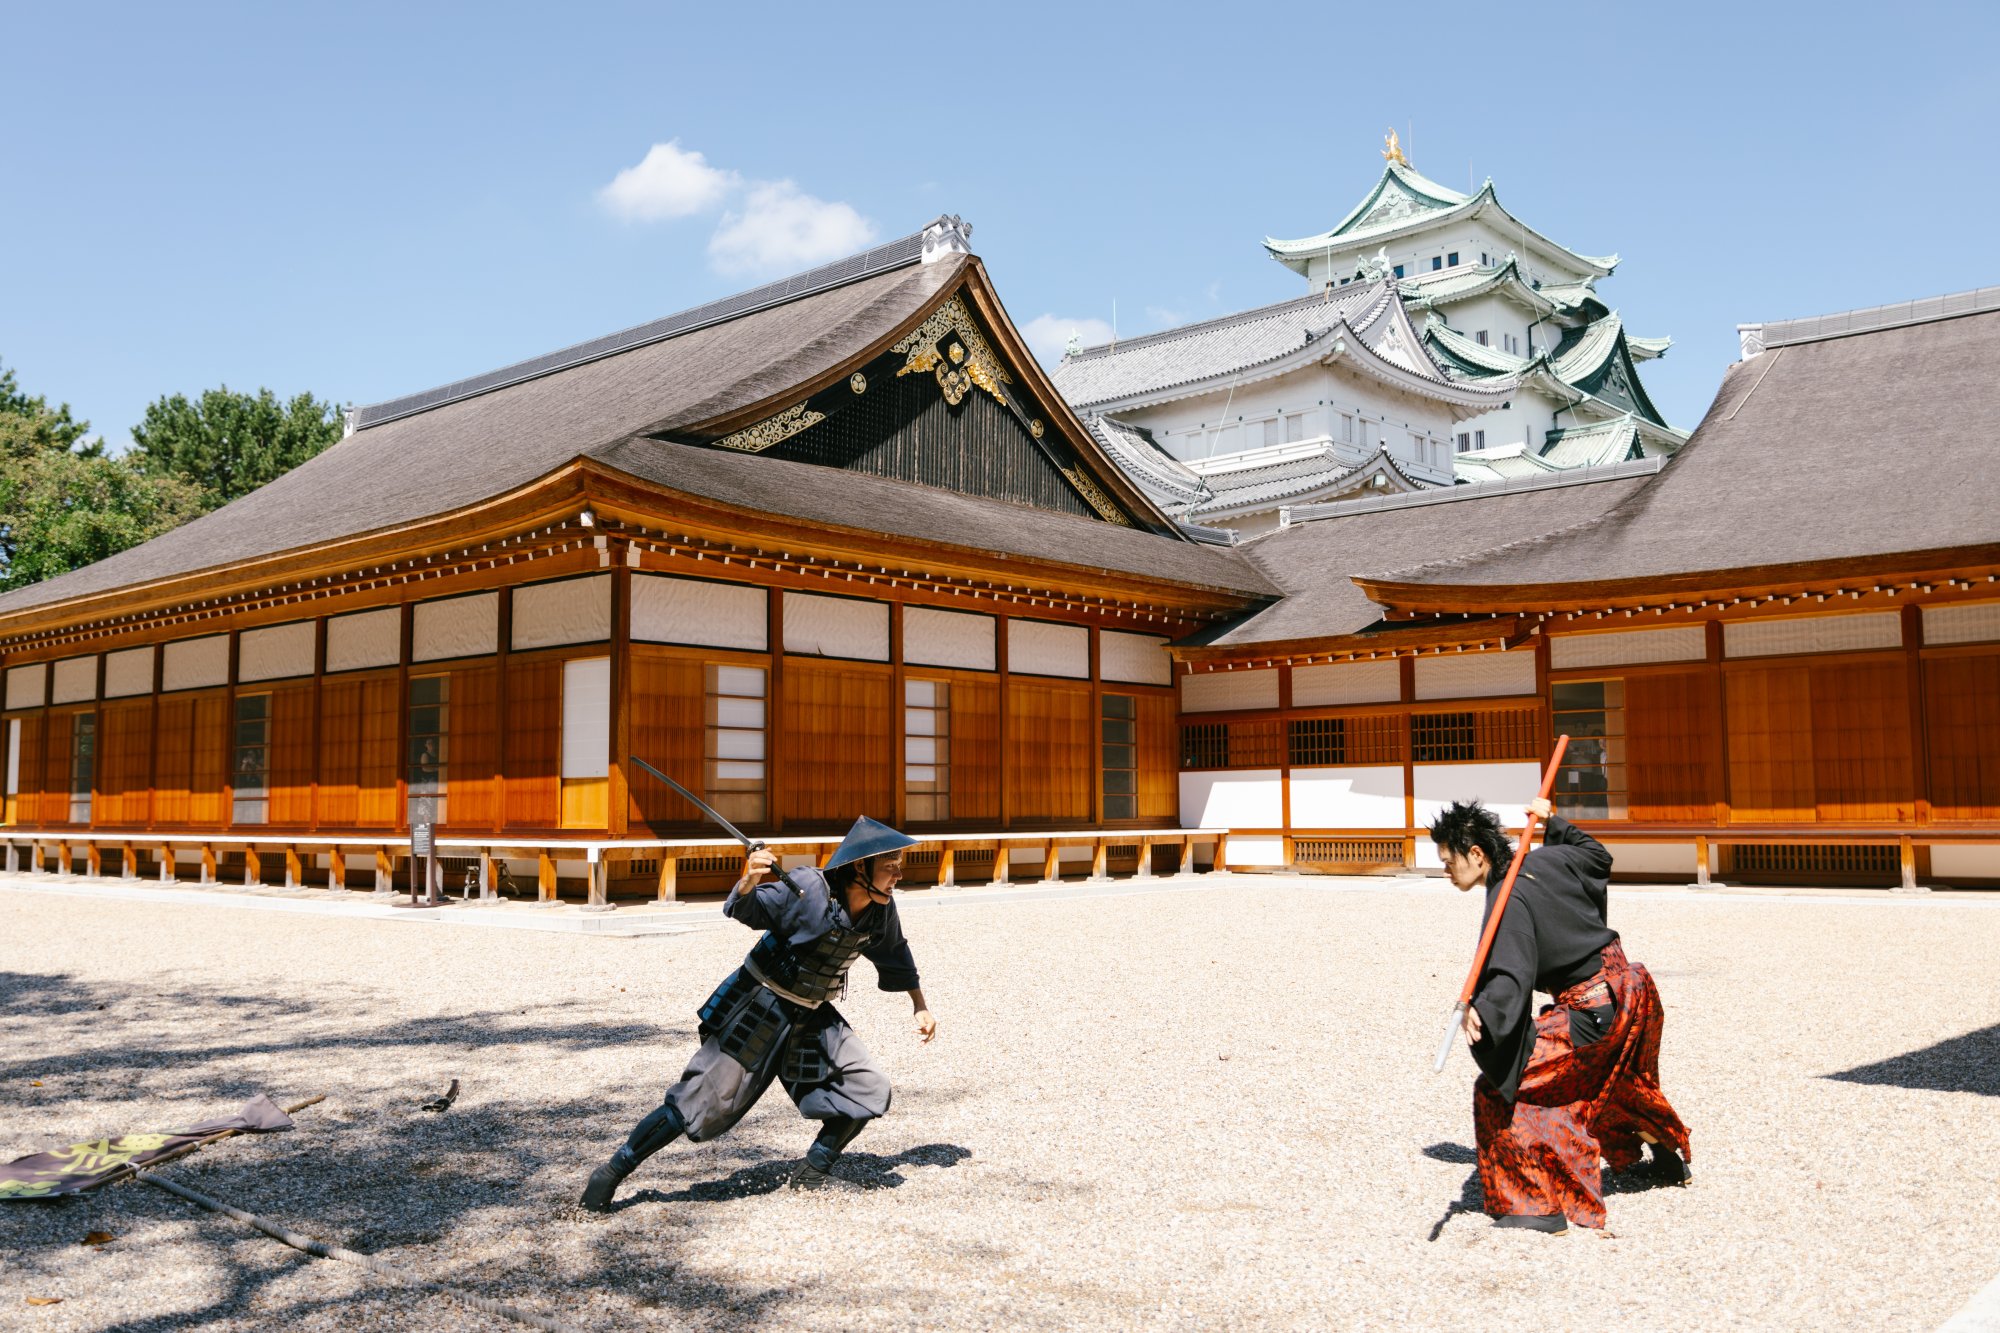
(1053, 409)
(1866, 576)
(1391, 641)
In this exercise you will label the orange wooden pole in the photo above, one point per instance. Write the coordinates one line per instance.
(1499, 909)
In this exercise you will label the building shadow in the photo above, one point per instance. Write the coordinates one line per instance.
(1970, 1063)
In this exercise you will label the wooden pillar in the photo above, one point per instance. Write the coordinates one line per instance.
(253, 865)
(336, 868)
(13, 858)
(1052, 862)
(1003, 862)
(93, 855)
(1144, 870)
(670, 873)
(1406, 673)
(167, 867)
(1703, 868)
(1907, 858)
(545, 875)
(295, 871)
(617, 803)
(130, 868)
(36, 860)
(208, 863)
(385, 870)
(1221, 865)
(776, 751)
(946, 876)
(489, 878)
(1187, 854)
(62, 858)
(598, 867)
(1100, 859)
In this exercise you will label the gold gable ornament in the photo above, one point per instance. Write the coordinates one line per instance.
(1392, 150)
(773, 430)
(965, 361)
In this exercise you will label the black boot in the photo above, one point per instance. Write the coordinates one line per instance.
(1553, 1224)
(834, 1136)
(1665, 1166)
(655, 1132)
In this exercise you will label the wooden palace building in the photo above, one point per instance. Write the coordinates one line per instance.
(837, 546)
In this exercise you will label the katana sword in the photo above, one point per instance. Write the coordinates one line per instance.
(1499, 909)
(750, 844)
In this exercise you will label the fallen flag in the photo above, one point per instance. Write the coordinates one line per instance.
(45, 1175)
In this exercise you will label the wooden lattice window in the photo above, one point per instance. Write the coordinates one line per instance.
(1118, 729)
(1318, 740)
(1205, 745)
(1375, 739)
(1256, 744)
(1444, 738)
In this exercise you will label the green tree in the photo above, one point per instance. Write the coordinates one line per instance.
(227, 444)
(63, 502)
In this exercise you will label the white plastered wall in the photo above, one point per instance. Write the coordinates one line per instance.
(73, 680)
(1340, 798)
(1139, 659)
(1476, 675)
(817, 626)
(1652, 858)
(27, 684)
(127, 672)
(1632, 647)
(455, 627)
(275, 652)
(192, 664)
(364, 639)
(949, 639)
(1978, 622)
(565, 611)
(1505, 789)
(1219, 691)
(1969, 862)
(1232, 798)
(1346, 683)
(701, 612)
(1040, 648)
(1817, 634)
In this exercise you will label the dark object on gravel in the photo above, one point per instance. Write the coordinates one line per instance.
(1553, 1224)
(443, 1103)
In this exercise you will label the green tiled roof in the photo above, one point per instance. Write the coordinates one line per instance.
(1593, 445)
(1645, 349)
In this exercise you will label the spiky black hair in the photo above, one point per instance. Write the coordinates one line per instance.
(1463, 825)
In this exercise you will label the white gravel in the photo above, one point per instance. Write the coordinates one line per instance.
(1073, 1151)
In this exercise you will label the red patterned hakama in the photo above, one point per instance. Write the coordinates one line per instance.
(1539, 1154)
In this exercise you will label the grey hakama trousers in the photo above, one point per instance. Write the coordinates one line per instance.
(826, 1070)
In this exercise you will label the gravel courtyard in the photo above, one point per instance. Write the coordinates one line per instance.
(1197, 1107)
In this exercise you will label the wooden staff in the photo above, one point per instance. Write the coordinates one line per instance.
(1499, 910)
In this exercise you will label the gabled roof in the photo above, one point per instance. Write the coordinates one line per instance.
(1173, 485)
(1592, 369)
(1750, 500)
(1596, 360)
(1315, 560)
(1598, 444)
(1366, 324)
(470, 444)
(1403, 203)
(1318, 474)
(1431, 291)
(1501, 462)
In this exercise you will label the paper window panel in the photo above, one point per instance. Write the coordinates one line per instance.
(455, 627)
(1346, 683)
(1217, 691)
(586, 718)
(949, 639)
(1635, 647)
(26, 685)
(364, 639)
(193, 664)
(566, 611)
(275, 653)
(1818, 634)
(128, 672)
(1040, 648)
(1978, 623)
(1140, 659)
(700, 612)
(817, 626)
(73, 680)
(1476, 675)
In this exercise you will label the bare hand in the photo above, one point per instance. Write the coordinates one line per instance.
(1474, 1029)
(926, 1026)
(758, 864)
(1540, 808)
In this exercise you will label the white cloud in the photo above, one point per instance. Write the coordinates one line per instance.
(780, 226)
(669, 182)
(1047, 335)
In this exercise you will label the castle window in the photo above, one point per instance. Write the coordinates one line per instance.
(1481, 339)
(1399, 270)
(1464, 440)
(1437, 262)
(1451, 260)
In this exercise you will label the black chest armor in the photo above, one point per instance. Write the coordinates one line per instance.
(809, 971)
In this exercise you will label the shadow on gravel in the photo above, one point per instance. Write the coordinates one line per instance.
(856, 1170)
(1471, 1199)
(1451, 1152)
(1970, 1063)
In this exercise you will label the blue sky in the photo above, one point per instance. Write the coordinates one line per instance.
(363, 200)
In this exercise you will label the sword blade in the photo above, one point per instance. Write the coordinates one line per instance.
(749, 843)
